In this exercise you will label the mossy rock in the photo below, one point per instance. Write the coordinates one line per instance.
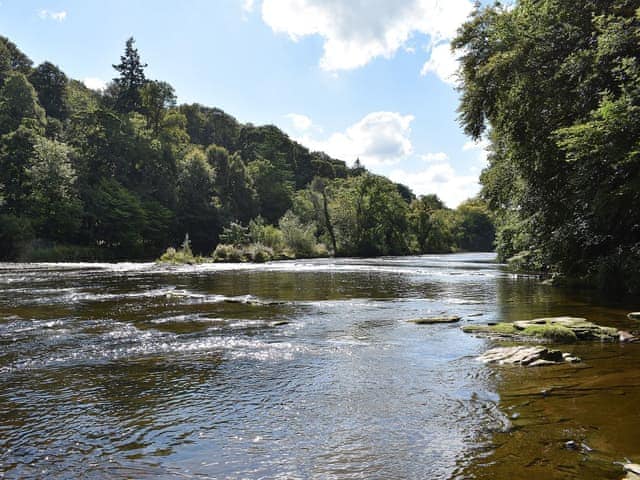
(555, 329)
(432, 320)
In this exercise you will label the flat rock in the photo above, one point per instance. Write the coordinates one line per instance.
(632, 470)
(558, 329)
(431, 320)
(627, 337)
(279, 323)
(531, 356)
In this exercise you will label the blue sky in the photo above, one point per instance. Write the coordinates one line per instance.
(355, 78)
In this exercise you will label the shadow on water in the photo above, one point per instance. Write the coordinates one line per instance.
(302, 369)
(567, 422)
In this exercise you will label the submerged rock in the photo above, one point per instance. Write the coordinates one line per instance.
(430, 320)
(527, 356)
(558, 329)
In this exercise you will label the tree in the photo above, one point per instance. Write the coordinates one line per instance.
(53, 202)
(51, 84)
(556, 83)
(156, 97)
(18, 103)
(420, 219)
(12, 59)
(131, 79)
(369, 216)
(273, 189)
(196, 211)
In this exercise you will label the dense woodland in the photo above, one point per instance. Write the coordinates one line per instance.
(125, 172)
(555, 85)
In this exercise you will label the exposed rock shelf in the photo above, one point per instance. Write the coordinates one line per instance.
(556, 329)
(431, 320)
(535, 356)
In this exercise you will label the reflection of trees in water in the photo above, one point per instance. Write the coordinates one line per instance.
(525, 298)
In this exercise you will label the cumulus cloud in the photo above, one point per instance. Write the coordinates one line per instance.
(94, 83)
(435, 157)
(443, 62)
(441, 179)
(380, 138)
(301, 123)
(247, 6)
(60, 16)
(355, 32)
(481, 147)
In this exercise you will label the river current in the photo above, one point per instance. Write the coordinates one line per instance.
(300, 369)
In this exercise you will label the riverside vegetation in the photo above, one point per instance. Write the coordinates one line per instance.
(125, 172)
(555, 87)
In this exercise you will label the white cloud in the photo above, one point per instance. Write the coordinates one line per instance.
(380, 138)
(94, 83)
(443, 62)
(60, 16)
(247, 6)
(441, 179)
(435, 157)
(481, 147)
(355, 32)
(300, 122)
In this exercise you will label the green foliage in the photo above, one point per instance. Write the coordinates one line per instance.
(115, 216)
(228, 253)
(51, 84)
(475, 230)
(54, 205)
(235, 234)
(273, 188)
(556, 82)
(156, 98)
(196, 210)
(183, 255)
(15, 233)
(298, 237)
(264, 234)
(19, 105)
(123, 172)
(131, 79)
(369, 215)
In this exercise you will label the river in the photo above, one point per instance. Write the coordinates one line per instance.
(300, 369)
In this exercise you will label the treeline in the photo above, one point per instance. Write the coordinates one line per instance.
(555, 84)
(126, 172)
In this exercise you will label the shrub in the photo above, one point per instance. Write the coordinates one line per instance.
(227, 253)
(260, 253)
(300, 238)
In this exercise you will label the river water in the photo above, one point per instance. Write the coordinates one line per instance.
(300, 369)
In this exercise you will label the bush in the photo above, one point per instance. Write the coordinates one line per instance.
(15, 234)
(227, 253)
(259, 253)
(300, 238)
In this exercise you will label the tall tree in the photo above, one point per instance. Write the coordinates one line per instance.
(51, 84)
(131, 79)
(556, 84)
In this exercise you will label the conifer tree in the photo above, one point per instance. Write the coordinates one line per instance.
(131, 79)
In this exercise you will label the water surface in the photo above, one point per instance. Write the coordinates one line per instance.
(302, 369)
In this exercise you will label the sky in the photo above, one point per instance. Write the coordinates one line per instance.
(367, 79)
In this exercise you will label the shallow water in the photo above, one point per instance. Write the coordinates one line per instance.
(148, 371)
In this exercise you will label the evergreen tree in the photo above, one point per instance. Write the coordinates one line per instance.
(131, 79)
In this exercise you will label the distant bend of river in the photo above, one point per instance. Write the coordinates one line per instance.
(299, 369)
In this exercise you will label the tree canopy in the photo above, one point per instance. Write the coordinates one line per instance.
(555, 85)
(125, 172)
